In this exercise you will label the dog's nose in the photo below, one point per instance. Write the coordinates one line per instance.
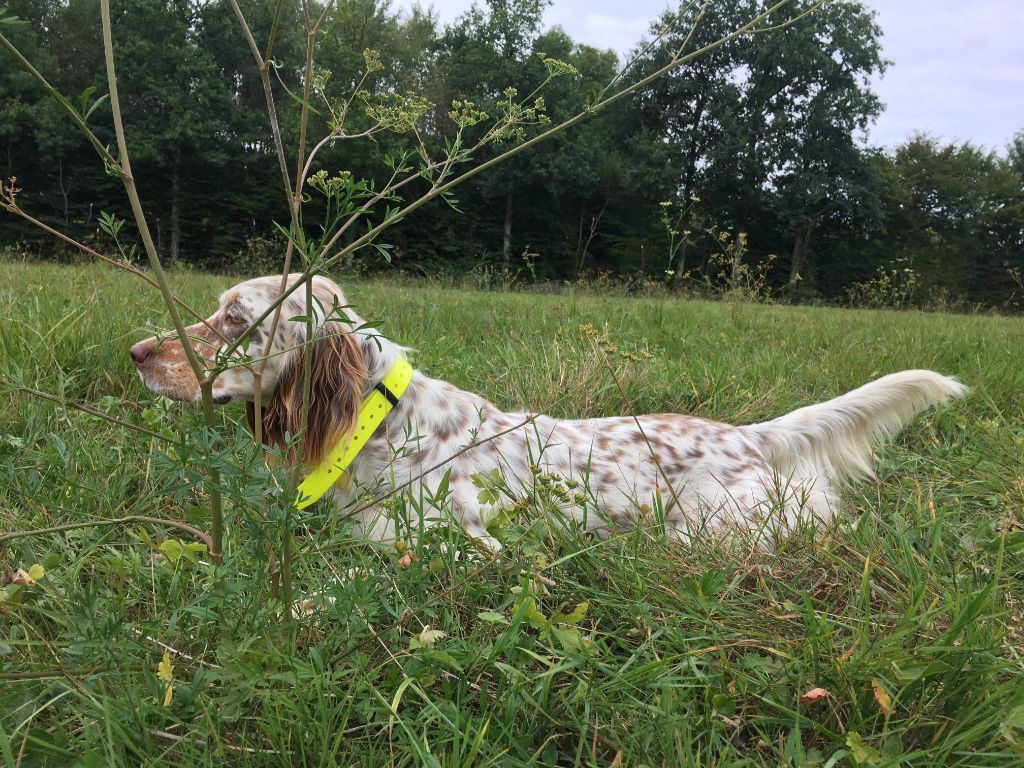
(141, 351)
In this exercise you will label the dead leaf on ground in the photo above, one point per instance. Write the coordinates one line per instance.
(427, 638)
(27, 578)
(882, 697)
(814, 695)
(408, 559)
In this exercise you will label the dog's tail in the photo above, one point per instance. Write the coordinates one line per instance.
(836, 437)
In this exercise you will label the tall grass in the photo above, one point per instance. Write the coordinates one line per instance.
(907, 609)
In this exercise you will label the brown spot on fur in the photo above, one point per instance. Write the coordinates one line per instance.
(449, 429)
(728, 478)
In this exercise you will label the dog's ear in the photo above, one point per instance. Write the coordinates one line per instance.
(337, 375)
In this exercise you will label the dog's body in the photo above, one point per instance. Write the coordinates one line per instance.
(700, 474)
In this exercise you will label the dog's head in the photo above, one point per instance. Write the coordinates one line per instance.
(337, 376)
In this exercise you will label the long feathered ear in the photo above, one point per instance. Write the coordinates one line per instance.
(337, 376)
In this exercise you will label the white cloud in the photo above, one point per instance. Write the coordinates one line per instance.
(620, 32)
(957, 71)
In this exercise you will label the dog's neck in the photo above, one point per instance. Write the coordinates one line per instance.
(380, 354)
(428, 406)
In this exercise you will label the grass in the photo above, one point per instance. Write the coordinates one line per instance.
(907, 609)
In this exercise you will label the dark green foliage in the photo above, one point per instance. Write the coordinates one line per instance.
(762, 135)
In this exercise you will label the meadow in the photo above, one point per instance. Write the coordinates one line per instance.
(907, 609)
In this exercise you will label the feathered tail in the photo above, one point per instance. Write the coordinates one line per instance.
(836, 437)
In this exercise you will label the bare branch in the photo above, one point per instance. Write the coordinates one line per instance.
(205, 383)
(321, 263)
(86, 409)
(201, 535)
(64, 104)
(133, 196)
(17, 211)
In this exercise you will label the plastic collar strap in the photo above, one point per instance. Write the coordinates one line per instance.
(375, 407)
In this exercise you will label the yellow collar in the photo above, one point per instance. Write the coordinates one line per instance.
(376, 406)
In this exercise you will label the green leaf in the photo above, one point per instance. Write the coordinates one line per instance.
(1012, 727)
(444, 658)
(193, 550)
(110, 224)
(490, 484)
(892, 747)
(95, 105)
(913, 672)
(488, 496)
(712, 583)
(1010, 542)
(570, 639)
(175, 551)
(574, 617)
(861, 752)
(198, 515)
(172, 550)
(724, 704)
(527, 610)
(492, 617)
(10, 20)
(83, 100)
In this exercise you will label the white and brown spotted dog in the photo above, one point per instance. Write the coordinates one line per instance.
(704, 474)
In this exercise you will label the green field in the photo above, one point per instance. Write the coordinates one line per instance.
(908, 608)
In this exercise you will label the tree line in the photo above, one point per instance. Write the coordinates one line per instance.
(748, 160)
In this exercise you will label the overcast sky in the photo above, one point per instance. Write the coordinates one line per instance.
(957, 67)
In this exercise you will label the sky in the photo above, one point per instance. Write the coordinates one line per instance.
(956, 72)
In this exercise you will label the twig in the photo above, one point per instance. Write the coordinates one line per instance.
(468, 447)
(17, 211)
(592, 109)
(205, 743)
(40, 674)
(321, 263)
(205, 382)
(133, 196)
(86, 409)
(171, 649)
(294, 197)
(201, 535)
(76, 118)
(636, 420)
